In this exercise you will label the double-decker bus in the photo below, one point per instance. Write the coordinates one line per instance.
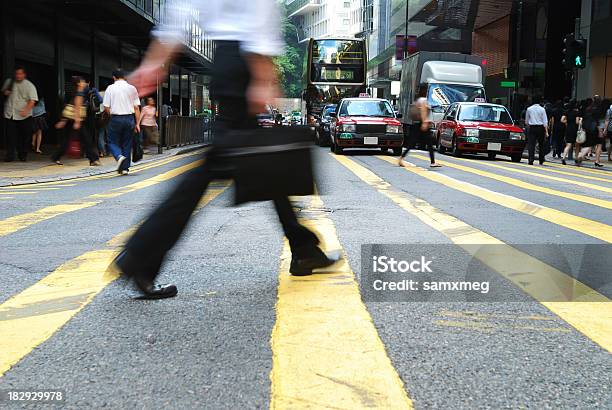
(335, 68)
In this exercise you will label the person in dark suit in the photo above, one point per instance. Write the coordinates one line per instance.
(243, 82)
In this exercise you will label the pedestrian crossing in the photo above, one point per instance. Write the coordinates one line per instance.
(326, 350)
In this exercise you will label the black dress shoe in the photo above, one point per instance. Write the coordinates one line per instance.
(303, 264)
(127, 266)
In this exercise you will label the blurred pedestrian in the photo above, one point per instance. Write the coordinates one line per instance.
(537, 121)
(21, 96)
(608, 120)
(122, 103)
(244, 80)
(39, 121)
(73, 125)
(557, 128)
(419, 132)
(94, 104)
(148, 123)
(591, 125)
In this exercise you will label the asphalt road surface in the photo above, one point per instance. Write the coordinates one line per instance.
(243, 333)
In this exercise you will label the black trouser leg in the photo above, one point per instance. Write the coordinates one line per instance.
(24, 137)
(300, 238)
(432, 156)
(531, 142)
(541, 147)
(64, 137)
(11, 136)
(86, 146)
(163, 228)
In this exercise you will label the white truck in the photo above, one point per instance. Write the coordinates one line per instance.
(443, 78)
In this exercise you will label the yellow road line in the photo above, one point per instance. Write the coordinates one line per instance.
(18, 222)
(135, 169)
(583, 225)
(326, 350)
(34, 315)
(585, 309)
(536, 174)
(526, 185)
(548, 168)
(581, 169)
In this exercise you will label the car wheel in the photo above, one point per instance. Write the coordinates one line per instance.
(491, 155)
(441, 148)
(397, 151)
(456, 151)
(337, 150)
(516, 157)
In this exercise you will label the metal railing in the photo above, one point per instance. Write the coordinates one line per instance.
(179, 131)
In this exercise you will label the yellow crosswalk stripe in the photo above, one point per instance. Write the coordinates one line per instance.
(548, 168)
(18, 222)
(579, 224)
(526, 185)
(585, 309)
(581, 169)
(535, 174)
(34, 315)
(326, 350)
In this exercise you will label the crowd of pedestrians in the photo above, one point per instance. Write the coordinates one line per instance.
(580, 129)
(84, 125)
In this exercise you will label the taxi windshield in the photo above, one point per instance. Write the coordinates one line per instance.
(485, 113)
(366, 108)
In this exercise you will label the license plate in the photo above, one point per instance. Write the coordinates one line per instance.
(494, 146)
(370, 140)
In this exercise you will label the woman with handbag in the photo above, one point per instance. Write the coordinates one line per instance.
(73, 115)
(571, 119)
(591, 128)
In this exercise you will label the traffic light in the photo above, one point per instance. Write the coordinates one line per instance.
(580, 57)
(574, 53)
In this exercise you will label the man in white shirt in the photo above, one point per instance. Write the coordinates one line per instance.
(537, 121)
(122, 103)
(21, 96)
(244, 80)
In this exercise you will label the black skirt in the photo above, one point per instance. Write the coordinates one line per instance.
(40, 123)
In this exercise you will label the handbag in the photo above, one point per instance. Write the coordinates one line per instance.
(68, 112)
(581, 135)
(137, 151)
(266, 163)
(74, 148)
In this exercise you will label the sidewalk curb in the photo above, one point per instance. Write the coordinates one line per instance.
(180, 151)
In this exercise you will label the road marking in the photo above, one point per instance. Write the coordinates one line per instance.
(18, 193)
(18, 222)
(34, 315)
(526, 185)
(581, 169)
(326, 350)
(536, 174)
(547, 168)
(135, 169)
(585, 309)
(576, 223)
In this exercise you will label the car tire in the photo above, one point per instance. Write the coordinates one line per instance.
(441, 148)
(337, 150)
(456, 151)
(516, 157)
(492, 155)
(397, 151)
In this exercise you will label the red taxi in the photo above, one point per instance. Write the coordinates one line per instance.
(365, 123)
(480, 128)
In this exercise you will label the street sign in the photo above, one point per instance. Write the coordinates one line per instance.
(508, 84)
(364, 95)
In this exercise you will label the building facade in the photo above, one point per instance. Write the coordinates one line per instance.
(596, 26)
(327, 18)
(57, 39)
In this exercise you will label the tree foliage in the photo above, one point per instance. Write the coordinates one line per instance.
(290, 64)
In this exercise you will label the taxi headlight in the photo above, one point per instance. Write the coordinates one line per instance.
(519, 136)
(349, 128)
(471, 132)
(394, 129)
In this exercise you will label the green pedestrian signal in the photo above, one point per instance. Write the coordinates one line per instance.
(578, 61)
(574, 53)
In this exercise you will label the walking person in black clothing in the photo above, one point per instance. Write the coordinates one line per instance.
(75, 127)
(571, 119)
(243, 82)
(557, 129)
